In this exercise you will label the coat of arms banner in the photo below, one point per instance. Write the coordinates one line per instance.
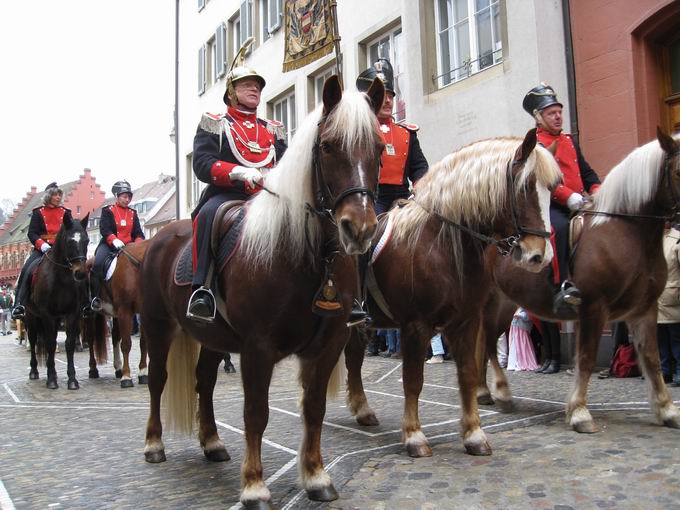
(309, 32)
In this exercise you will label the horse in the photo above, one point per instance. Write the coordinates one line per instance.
(432, 276)
(619, 266)
(286, 289)
(59, 287)
(121, 299)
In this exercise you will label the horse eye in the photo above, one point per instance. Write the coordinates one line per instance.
(326, 147)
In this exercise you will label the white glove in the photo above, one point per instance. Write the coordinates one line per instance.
(45, 247)
(118, 244)
(250, 176)
(575, 201)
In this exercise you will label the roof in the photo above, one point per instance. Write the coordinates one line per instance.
(165, 214)
(150, 192)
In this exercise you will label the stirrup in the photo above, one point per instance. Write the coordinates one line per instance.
(567, 298)
(96, 304)
(202, 307)
(18, 312)
(358, 315)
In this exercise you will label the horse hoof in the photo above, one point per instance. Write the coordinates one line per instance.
(52, 384)
(585, 427)
(505, 406)
(33, 375)
(418, 450)
(79, 348)
(229, 368)
(485, 400)
(257, 504)
(368, 420)
(327, 493)
(217, 455)
(478, 449)
(673, 423)
(126, 383)
(143, 379)
(94, 374)
(119, 373)
(155, 457)
(73, 385)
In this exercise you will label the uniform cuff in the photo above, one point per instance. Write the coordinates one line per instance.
(39, 243)
(594, 188)
(561, 194)
(110, 238)
(219, 173)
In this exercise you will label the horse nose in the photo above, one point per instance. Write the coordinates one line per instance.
(536, 259)
(349, 228)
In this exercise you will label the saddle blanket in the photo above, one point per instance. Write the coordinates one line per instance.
(184, 270)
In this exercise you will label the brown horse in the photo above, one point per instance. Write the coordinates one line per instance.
(297, 237)
(121, 299)
(620, 269)
(432, 274)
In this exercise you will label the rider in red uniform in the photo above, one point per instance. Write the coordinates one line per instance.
(46, 221)
(118, 226)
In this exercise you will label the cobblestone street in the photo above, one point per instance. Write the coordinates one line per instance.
(84, 449)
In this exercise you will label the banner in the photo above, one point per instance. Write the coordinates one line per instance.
(309, 32)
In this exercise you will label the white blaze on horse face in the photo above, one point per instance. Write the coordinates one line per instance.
(76, 237)
(544, 204)
(362, 182)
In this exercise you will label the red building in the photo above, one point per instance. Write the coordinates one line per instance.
(81, 196)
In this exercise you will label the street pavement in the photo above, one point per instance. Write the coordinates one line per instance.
(62, 449)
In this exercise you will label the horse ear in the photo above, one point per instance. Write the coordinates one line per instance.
(528, 145)
(667, 143)
(332, 94)
(376, 94)
(68, 221)
(85, 221)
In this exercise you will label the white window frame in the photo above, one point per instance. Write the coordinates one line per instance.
(469, 67)
(220, 54)
(202, 69)
(245, 19)
(319, 80)
(395, 56)
(201, 4)
(275, 15)
(284, 110)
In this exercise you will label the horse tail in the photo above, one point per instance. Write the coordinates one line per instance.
(338, 378)
(40, 347)
(100, 350)
(179, 398)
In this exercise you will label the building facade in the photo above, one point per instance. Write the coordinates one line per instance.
(462, 66)
(82, 196)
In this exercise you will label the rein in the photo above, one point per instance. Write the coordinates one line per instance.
(135, 261)
(506, 244)
(69, 262)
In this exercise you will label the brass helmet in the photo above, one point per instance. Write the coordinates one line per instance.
(239, 71)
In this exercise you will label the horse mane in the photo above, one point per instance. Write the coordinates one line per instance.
(469, 186)
(277, 223)
(630, 184)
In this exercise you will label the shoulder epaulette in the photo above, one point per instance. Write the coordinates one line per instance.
(276, 128)
(212, 123)
(410, 127)
(66, 209)
(38, 208)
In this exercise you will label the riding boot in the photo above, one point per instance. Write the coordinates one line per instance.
(552, 368)
(542, 368)
(358, 314)
(567, 298)
(202, 307)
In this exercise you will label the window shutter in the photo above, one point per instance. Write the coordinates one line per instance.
(246, 16)
(201, 69)
(274, 15)
(201, 4)
(220, 50)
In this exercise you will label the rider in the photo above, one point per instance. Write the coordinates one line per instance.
(230, 152)
(570, 195)
(403, 162)
(118, 226)
(46, 221)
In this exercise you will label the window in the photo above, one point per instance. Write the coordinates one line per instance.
(319, 80)
(201, 4)
(469, 38)
(220, 54)
(284, 112)
(77, 209)
(196, 189)
(211, 50)
(201, 70)
(389, 46)
(91, 195)
(272, 16)
(243, 24)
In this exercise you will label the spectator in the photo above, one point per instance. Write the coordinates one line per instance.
(393, 338)
(521, 354)
(437, 350)
(668, 319)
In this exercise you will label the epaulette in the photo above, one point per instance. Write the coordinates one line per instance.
(212, 123)
(276, 128)
(410, 127)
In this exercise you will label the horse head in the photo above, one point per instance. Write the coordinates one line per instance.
(671, 170)
(347, 162)
(71, 246)
(530, 176)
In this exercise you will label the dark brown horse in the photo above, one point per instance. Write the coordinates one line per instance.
(266, 291)
(121, 299)
(432, 274)
(620, 269)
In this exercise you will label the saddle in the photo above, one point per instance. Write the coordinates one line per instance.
(224, 239)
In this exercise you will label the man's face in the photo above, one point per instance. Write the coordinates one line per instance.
(388, 103)
(552, 118)
(123, 199)
(55, 200)
(248, 93)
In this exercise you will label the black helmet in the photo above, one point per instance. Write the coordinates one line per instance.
(539, 98)
(381, 69)
(121, 187)
(51, 189)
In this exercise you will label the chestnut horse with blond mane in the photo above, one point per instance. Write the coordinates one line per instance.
(432, 274)
(305, 230)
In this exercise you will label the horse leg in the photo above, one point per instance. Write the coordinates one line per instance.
(49, 344)
(115, 340)
(257, 366)
(467, 345)
(32, 341)
(206, 377)
(125, 331)
(315, 374)
(647, 347)
(72, 333)
(413, 348)
(356, 398)
(502, 394)
(588, 337)
(143, 374)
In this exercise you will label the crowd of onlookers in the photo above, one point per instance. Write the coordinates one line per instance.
(6, 303)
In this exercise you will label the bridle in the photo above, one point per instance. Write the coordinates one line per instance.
(69, 261)
(506, 245)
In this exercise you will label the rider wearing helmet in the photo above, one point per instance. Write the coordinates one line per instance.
(46, 221)
(231, 152)
(118, 226)
(570, 195)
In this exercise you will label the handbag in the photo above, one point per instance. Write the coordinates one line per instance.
(625, 362)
